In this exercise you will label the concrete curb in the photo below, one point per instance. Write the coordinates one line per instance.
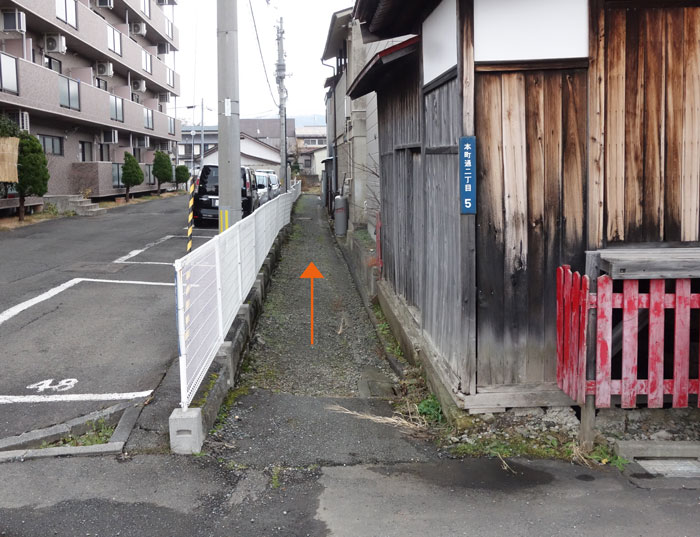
(21, 455)
(77, 426)
(657, 449)
(130, 412)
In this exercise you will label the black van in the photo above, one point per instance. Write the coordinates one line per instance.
(206, 194)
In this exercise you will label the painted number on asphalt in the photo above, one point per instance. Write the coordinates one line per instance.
(62, 385)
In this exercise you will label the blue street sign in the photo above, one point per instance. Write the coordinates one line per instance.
(467, 174)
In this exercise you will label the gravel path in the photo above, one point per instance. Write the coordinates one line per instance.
(345, 343)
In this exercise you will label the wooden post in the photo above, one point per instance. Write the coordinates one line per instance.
(587, 430)
(466, 74)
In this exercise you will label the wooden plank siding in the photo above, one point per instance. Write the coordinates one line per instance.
(442, 311)
(652, 119)
(532, 184)
(402, 238)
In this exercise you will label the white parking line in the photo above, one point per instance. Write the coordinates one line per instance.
(134, 253)
(19, 308)
(9, 399)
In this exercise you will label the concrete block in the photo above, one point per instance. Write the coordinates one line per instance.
(245, 314)
(658, 449)
(259, 287)
(186, 431)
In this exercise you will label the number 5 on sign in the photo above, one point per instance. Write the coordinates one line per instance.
(467, 174)
(62, 386)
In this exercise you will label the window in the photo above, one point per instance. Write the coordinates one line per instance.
(146, 8)
(101, 83)
(146, 61)
(67, 11)
(114, 40)
(117, 175)
(148, 118)
(8, 74)
(69, 93)
(116, 108)
(181, 150)
(169, 28)
(53, 64)
(53, 145)
(171, 125)
(85, 152)
(307, 163)
(171, 78)
(137, 154)
(104, 152)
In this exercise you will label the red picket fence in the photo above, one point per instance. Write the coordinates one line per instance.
(573, 304)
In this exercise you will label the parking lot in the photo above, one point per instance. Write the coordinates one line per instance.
(87, 312)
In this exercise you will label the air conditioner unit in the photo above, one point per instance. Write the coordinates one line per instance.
(105, 69)
(13, 20)
(138, 84)
(55, 43)
(137, 28)
(164, 97)
(143, 141)
(109, 4)
(110, 137)
(164, 48)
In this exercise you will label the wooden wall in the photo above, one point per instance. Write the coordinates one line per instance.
(442, 308)
(531, 158)
(420, 212)
(652, 124)
(401, 185)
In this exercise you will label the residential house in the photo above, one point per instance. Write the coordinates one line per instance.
(584, 115)
(91, 83)
(352, 167)
(254, 153)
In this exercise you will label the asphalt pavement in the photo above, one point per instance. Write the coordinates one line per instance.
(87, 311)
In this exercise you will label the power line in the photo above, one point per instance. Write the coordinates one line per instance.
(262, 58)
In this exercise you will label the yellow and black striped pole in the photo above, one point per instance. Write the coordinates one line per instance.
(190, 218)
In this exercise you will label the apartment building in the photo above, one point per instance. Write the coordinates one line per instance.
(91, 79)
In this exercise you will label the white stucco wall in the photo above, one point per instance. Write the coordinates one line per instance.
(440, 40)
(508, 30)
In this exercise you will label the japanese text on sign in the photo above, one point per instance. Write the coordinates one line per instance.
(467, 174)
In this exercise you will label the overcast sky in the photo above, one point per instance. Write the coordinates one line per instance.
(306, 25)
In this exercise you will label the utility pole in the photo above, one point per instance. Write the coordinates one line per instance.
(281, 75)
(230, 210)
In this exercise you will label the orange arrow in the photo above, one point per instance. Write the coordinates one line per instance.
(310, 273)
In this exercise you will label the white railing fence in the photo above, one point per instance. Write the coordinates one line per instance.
(213, 281)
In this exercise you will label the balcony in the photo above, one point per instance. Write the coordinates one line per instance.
(91, 40)
(158, 23)
(45, 91)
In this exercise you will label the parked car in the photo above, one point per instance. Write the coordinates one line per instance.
(275, 184)
(206, 194)
(263, 186)
(274, 181)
